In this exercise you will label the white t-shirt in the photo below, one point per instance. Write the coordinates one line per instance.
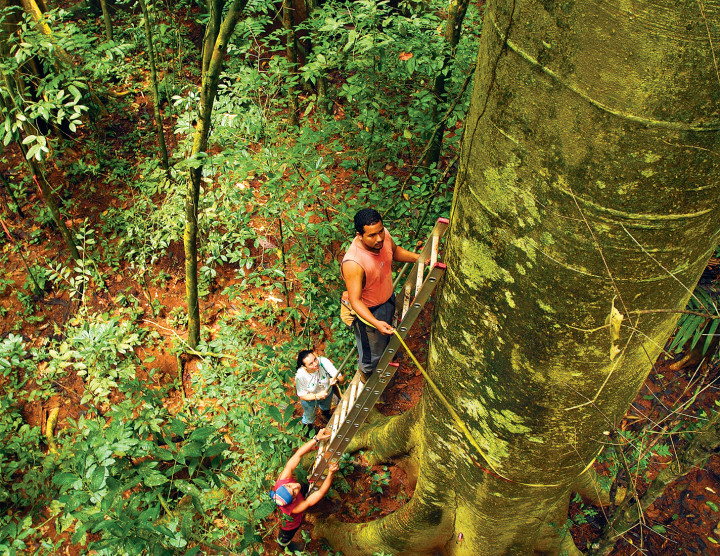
(314, 383)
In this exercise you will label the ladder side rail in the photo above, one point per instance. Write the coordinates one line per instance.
(415, 279)
(437, 232)
(429, 251)
(353, 419)
(338, 422)
(412, 314)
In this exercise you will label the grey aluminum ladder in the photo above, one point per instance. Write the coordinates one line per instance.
(354, 407)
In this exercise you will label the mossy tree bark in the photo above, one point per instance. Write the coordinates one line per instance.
(215, 8)
(155, 90)
(588, 191)
(210, 80)
(107, 19)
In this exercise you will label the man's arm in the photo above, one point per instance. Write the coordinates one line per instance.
(402, 255)
(335, 375)
(313, 397)
(316, 496)
(302, 391)
(353, 274)
(294, 461)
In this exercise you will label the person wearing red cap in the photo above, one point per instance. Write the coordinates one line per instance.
(289, 495)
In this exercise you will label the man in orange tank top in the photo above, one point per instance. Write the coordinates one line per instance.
(367, 271)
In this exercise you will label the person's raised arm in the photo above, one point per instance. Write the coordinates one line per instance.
(402, 255)
(353, 275)
(316, 496)
(294, 461)
(335, 375)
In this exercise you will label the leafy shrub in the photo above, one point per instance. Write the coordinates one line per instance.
(102, 352)
(693, 328)
(24, 471)
(140, 478)
(15, 360)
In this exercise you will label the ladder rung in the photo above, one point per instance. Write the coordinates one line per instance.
(434, 250)
(335, 421)
(353, 395)
(343, 410)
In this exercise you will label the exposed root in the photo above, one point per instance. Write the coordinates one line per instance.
(411, 466)
(387, 437)
(416, 529)
(50, 429)
(590, 488)
(568, 546)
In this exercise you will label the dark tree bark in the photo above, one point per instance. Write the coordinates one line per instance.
(453, 30)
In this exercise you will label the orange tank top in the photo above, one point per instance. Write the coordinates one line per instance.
(377, 288)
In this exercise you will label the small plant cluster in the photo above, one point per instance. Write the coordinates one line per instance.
(101, 351)
(128, 476)
(141, 478)
(695, 329)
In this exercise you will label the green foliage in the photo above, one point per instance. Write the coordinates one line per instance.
(16, 361)
(379, 480)
(636, 453)
(129, 476)
(35, 101)
(389, 59)
(77, 278)
(694, 330)
(585, 513)
(139, 477)
(101, 350)
(143, 233)
(24, 474)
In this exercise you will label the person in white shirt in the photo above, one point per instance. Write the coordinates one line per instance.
(313, 380)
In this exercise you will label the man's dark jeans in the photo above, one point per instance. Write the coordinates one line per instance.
(370, 341)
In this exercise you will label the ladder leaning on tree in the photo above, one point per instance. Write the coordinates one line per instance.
(354, 406)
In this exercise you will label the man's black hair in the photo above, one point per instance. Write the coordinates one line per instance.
(301, 357)
(366, 217)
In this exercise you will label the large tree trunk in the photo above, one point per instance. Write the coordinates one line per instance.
(588, 191)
